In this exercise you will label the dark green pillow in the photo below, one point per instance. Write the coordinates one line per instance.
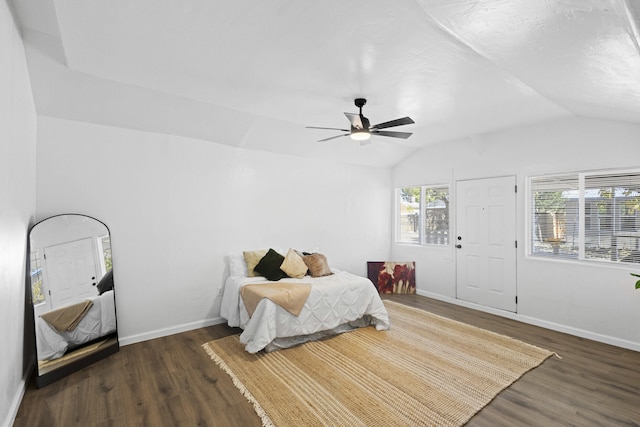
(106, 283)
(269, 266)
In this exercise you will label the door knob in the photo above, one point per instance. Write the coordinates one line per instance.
(458, 246)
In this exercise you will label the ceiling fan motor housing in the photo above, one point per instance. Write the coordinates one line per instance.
(360, 102)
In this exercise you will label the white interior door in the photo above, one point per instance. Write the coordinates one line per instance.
(486, 242)
(71, 271)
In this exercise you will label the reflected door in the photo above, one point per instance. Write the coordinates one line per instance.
(71, 271)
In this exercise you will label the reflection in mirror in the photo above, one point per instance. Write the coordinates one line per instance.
(72, 293)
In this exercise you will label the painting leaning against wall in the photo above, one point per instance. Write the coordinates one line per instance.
(393, 277)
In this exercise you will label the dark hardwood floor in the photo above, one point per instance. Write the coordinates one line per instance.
(171, 381)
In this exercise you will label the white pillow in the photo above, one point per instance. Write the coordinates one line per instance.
(237, 266)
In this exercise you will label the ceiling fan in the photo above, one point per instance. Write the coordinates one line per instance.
(361, 129)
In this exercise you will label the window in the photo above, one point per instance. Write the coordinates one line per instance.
(554, 216)
(586, 216)
(37, 290)
(104, 245)
(423, 215)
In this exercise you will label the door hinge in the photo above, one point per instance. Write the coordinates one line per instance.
(516, 299)
(516, 244)
(516, 188)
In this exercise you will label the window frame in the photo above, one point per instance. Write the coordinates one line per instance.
(592, 217)
(422, 240)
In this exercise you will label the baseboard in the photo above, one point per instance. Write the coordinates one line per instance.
(158, 333)
(15, 404)
(606, 339)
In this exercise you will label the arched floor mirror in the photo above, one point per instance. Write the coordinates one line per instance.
(73, 295)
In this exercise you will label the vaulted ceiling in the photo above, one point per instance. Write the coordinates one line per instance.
(253, 74)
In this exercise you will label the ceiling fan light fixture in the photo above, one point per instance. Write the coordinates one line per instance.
(360, 135)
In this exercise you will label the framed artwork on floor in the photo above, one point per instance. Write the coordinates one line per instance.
(392, 277)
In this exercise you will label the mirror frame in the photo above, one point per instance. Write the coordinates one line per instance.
(82, 358)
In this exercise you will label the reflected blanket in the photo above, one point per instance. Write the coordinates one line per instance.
(67, 318)
(290, 296)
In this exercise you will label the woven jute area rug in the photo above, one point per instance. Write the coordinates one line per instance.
(426, 371)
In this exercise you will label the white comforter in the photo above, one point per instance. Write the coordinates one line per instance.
(334, 300)
(99, 321)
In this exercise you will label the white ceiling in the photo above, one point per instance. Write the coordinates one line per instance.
(253, 74)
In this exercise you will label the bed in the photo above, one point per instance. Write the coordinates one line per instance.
(337, 302)
(98, 321)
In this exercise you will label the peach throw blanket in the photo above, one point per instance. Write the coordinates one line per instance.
(67, 318)
(290, 296)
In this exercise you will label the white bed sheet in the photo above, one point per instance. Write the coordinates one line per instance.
(99, 321)
(334, 300)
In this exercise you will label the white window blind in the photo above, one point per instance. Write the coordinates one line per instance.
(554, 216)
(590, 216)
(611, 217)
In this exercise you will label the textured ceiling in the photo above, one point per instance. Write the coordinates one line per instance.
(253, 74)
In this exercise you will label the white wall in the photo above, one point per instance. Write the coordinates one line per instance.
(595, 301)
(17, 206)
(176, 206)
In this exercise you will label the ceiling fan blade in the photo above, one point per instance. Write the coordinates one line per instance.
(392, 123)
(403, 135)
(333, 137)
(316, 127)
(355, 120)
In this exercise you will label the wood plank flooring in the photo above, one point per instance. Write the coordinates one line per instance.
(171, 381)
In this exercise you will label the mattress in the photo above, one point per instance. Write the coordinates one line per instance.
(335, 300)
